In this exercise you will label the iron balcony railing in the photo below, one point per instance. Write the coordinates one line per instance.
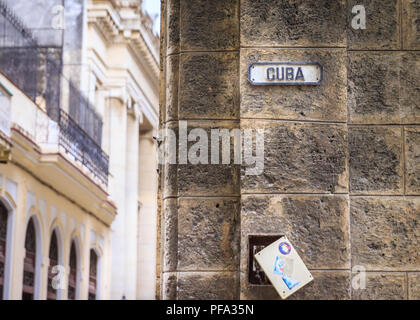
(37, 71)
(82, 147)
(19, 52)
(13, 32)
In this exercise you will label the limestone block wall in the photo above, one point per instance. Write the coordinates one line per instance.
(342, 159)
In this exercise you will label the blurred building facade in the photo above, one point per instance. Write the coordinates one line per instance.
(78, 110)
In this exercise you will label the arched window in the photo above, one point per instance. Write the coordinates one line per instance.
(3, 237)
(93, 271)
(29, 262)
(53, 255)
(73, 273)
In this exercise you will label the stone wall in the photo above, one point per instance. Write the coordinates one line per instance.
(342, 159)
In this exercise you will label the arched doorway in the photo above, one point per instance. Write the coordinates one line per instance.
(3, 238)
(29, 266)
(73, 281)
(53, 255)
(93, 273)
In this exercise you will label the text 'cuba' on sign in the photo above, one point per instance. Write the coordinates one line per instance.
(285, 73)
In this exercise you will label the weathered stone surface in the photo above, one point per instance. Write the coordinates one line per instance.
(411, 24)
(410, 87)
(172, 76)
(170, 235)
(209, 86)
(208, 234)
(375, 160)
(328, 285)
(208, 286)
(209, 25)
(299, 157)
(414, 286)
(324, 102)
(169, 286)
(173, 30)
(382, 25)
(382, 286)
(374, 87)
(385, 233)
(210, 179)
(253, 292)
(170, 168)
(170, 180)
(374, 157)
(412, 155)
(293, 23)
(316, 225)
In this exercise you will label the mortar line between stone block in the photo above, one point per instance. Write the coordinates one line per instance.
(291, 47)
(208, 197)
(202, 119)
(389, 271)
(330, 270)
(385, 195)
(179, 73)
(247, 194)
(348, 177)
(350, 231)
(170, 197)
(295, 121)
(404, 160)
(240, 189)
(181, 52)
(383, 50)
(400, 9)
(383, 124)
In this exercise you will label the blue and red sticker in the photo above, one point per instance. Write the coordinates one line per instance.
(285, 247)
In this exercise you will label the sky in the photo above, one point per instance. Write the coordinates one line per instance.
(153, 8)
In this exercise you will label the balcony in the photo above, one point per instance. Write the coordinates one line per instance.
(57, 153)
(37, 72)
(84, 149)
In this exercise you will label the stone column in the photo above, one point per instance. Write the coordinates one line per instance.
(117, 190)
(341, 173)
(131, 207)
(200, 216)
(147, 235)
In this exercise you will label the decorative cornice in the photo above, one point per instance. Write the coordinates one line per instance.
(142, 50)
(107, 21)
(125, 21)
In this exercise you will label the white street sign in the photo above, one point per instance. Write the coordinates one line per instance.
(285, 73)
(283, 267)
